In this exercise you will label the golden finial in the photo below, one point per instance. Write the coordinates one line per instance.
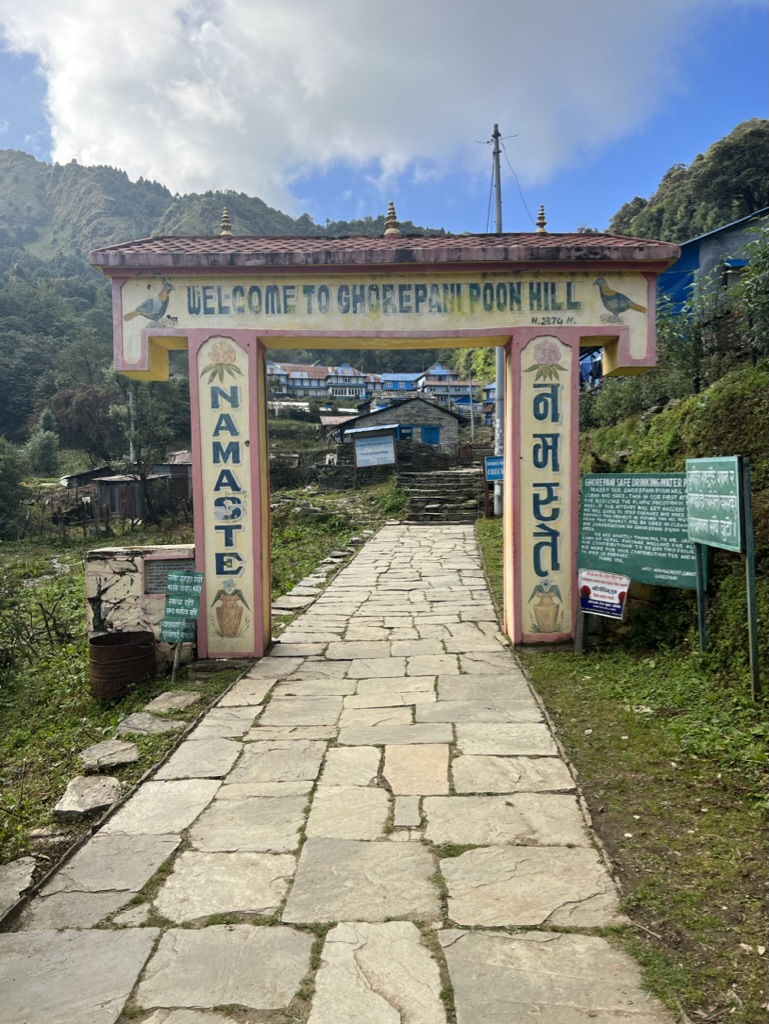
(226, 226)
(391, 223)
(541, 221)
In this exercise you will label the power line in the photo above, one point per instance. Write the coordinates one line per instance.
(512, 171)
(491, 193)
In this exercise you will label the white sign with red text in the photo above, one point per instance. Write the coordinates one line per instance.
(603, 593)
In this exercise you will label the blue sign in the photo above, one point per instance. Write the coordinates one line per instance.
(494, 467)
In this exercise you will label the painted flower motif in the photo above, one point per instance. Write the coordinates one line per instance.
(546, 355)
(223, 356)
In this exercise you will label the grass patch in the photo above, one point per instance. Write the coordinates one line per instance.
(672, 771)
(672, 763)
(488, 533)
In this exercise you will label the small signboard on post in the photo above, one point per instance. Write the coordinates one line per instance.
(713, 497)
(183, 590)
(493, 472)
(374, 451)
(373, 446)
(603, 593)
(720, 515)
(180, 625)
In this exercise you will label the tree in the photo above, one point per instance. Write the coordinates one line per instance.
(42, 448)
(11, 492)
(751, 297)
(85, 421)
(724, 184)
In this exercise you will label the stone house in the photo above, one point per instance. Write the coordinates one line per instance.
(417, 419)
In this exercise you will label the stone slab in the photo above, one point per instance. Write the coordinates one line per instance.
(273, 668)
(535, 977)
(284, 649)
(526, 819)
(377, 668)
(187, 1017)
(390, 700)
(370, 717)
(247, 823)
(417, 770)
(480, 711)
(224, 965)
(488, 662)
(350, 766)
(346, 650)
(265, 733)
(302, 711)
(348, 812)
(87, 794)
(203, 884)
(109, 754)
(113, 862)
(317, 668)
(407, 813)
(72, 909)
(143, 724)
(279, 761)
(237, 790)
(346, 880)
(365, 634)
(292, 604)
(479, 687)
(417, 648)
(315, 688)
(68, 977)
(479, 773)
(309, 635)
(173, 700)
(492, 738)
(528, 887)
(464, 644)
(209, 758)
(432, 664)
(162, 808)
(246, 693)
(359, 735)
(227, 722)
(377, 973)
(16, 876)
(412, 684)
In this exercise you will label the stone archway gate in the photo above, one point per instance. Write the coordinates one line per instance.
(226, 299)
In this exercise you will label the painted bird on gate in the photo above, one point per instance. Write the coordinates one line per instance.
(154, 309)
(616, 302)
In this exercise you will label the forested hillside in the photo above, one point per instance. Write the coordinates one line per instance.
(55, 310)
(728, 182)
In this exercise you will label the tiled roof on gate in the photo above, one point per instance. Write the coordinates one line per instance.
(217, 252)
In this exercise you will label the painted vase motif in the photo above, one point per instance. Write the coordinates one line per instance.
(546, 613)
(229, 615)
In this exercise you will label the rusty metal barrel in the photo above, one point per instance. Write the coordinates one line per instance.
(120, 660)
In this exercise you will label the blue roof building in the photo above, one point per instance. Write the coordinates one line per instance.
(713, 260)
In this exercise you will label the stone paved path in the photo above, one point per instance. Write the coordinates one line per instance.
(372, 825)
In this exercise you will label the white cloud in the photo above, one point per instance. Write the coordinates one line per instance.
(255, 94)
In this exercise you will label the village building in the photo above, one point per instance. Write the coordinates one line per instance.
(415, 419)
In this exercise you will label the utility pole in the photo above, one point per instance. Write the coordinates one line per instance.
(131, 423)
(499, 402)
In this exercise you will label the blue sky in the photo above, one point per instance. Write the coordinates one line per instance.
(334, 108)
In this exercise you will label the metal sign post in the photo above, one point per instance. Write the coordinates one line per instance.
(720, 515)
(183, 590)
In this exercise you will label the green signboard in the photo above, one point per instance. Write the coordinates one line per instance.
(713, 502)
(635, 524)
(183, 590)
